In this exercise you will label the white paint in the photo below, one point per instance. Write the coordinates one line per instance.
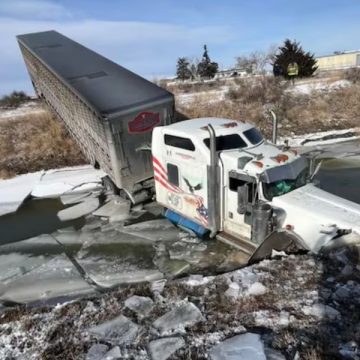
(316, 214)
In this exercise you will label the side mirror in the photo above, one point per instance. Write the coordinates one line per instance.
(243, 198)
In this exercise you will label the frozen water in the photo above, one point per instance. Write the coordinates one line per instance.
(73, 198)
(116, 207)
(232, 293)
(14, 191)
(84, 208)
(139, 304)
(118, 331)
(96, 352)
(55, 277)
(113, 354)
(321, 311)
(256, 289)
(155, 230)
(176, 320)
(246, 346)
(272, 354)
(68, 181)
(162, 349)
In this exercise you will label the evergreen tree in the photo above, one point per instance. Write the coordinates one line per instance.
(182, 69)
(292, 52)
(206, 68)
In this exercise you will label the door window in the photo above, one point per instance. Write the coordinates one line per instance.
(235, 183)
(173, 174)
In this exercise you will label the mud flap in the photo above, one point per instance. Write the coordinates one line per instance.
(280, 240)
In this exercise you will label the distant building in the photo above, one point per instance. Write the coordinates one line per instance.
(233, 72)
(338, 60)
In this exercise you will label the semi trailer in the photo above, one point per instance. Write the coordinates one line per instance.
(213, 176)
(109, 110)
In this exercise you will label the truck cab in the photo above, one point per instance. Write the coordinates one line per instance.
(222, 176)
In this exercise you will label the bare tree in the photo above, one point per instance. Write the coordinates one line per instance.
(258, 60)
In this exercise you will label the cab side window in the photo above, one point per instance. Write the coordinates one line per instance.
(179, 142)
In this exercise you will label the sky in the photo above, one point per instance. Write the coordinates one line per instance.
(147, 36)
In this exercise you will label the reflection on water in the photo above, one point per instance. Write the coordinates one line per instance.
(35, 217)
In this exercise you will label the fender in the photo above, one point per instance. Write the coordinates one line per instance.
(280, 240)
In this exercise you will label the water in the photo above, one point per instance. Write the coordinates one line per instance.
(34, 217)
(110, 254)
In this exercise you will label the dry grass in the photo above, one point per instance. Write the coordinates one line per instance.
(36, 142)
(249, 100)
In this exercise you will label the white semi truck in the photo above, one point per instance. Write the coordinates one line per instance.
(221, 176)
(212, 175)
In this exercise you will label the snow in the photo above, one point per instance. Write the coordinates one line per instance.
(210, 96)
(316, 138)
(26, 109)
(308, 87)
(198, 280)
(68, 180)
(14, 191)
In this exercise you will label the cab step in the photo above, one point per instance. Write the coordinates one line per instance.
(243, 245)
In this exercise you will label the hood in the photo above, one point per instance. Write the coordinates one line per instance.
(317, 215)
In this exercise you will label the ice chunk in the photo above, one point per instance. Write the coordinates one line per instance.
(73, 198)
(155, 230)
(232, 293)
(176, 320)
(256, 289)
(140, 304)
(162, 349)
(14, 191)
(272, 354)
(321, 311)
(106, 276)
(157, 287)
(68, 181)
(96, 352)
(245, 346)
(117, 209)
(118, 331)
(79, 210)
(113, 354)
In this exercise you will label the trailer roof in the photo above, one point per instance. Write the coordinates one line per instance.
(107, 87)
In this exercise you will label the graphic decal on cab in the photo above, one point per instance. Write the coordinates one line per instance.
(190, 204)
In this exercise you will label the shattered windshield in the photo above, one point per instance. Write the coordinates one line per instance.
(284, 186)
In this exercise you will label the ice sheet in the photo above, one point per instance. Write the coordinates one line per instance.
(14, 191)
(68, 181)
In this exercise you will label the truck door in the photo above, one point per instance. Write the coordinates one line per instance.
(239, 193)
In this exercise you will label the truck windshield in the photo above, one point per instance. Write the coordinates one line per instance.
(253, 135)
(284, 186)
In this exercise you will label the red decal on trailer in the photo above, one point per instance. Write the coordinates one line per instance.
(144, 122)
